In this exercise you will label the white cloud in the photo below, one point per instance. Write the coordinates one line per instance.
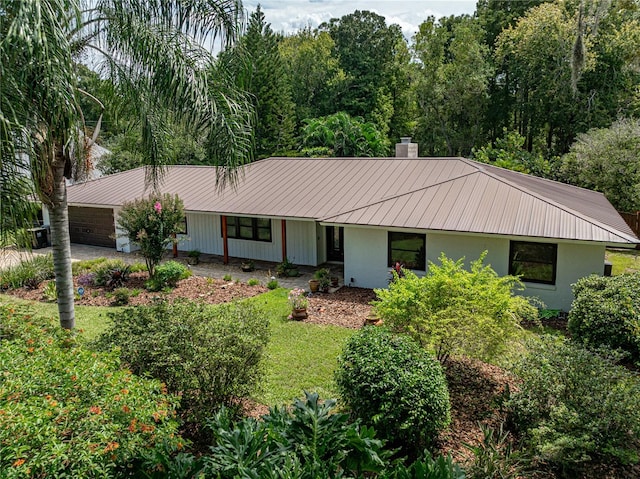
(292, 15)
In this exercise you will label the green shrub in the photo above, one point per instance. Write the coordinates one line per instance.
(112, 273)
(272, 284)
(575, 406)
(454, 311)
(606, 312)
(151, 223)
(211, 355)
(389, 381)
(49, 292)
(28, 273)
(66, 411)
(121, 297)
(138, 267)
(253, 282)
(227, 277)
(167, 275)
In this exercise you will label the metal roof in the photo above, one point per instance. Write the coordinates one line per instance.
(449, 194)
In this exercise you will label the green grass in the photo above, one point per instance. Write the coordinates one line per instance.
(624, 261)
(299, 356)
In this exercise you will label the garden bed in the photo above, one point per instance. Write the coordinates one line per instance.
(195, 288)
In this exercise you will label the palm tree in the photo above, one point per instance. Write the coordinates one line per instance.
(152, 51)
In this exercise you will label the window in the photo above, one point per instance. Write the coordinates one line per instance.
(533, 262)
(255, 229)
(408, 249)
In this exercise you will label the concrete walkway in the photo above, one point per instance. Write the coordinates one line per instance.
(209, 266)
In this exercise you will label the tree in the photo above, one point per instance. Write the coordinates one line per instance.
(606, 160)
(149, 50)
(313, 71)
(340, 135)
(152, 224)
(259, 70)
(365, 48)
(452, 85)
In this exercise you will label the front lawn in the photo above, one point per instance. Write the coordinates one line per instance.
(299, 356)
(624, 261)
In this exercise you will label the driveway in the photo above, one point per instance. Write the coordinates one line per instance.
(210, 265)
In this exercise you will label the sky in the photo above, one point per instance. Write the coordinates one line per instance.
(289, 16)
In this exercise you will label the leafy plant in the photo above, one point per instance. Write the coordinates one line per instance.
(286, 268)
(575, 406)
(211, 355)
(605, 313)
(28, 273)
(112, 273)
(455, 311)
(151, 223)
(86, 265)
(194, 253)
(309, 439)
(442, 467)
(49, 291)
(86, 279)
(492, 457)
(389, 381)
(69, 412)
(121, 297)
(253, 282)
(227, 277)
(272, 284)
(167, 275)
(298, 299)
(323, 275)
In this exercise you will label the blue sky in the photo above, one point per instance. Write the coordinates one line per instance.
(290, 15)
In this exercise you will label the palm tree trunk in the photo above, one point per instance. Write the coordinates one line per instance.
(61, 243)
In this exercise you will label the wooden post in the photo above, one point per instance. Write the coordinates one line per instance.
(225, 244)
(284, 240)
(175, 246)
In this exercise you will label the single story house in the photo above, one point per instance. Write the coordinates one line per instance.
(369, 213)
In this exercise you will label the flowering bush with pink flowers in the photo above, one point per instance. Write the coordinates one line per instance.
(151, 223)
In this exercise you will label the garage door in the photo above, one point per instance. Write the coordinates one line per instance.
(92, 226)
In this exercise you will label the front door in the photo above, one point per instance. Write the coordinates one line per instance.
(335, 243)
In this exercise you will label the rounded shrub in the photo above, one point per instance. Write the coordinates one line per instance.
(167, 275)
(389, 381)
(606, 312)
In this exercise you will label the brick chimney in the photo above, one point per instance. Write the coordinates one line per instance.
(406, 149)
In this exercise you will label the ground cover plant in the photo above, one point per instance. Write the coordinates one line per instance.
(389, 381)
(576, 408)
(454, 311)
(211, 356)
(605, 313)
(66, 411)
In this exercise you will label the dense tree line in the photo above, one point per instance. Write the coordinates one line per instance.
(534, 75)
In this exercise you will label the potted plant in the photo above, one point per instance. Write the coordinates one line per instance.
(323, 276)
(248, 266)
(299, 303)
(193, 256)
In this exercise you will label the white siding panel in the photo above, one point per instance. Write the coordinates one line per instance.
(302, 242)
(203, 233)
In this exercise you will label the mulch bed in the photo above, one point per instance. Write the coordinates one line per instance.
(347, 307)
(195, 288)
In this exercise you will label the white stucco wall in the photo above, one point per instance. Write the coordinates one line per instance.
(366, 252)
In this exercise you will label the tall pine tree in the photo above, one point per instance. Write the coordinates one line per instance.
(267, 83)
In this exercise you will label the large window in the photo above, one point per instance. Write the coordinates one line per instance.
(534, 262)
(255, 229)
(408, 249)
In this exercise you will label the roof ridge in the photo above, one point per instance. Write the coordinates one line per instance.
(399, 195)
(552, 202)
